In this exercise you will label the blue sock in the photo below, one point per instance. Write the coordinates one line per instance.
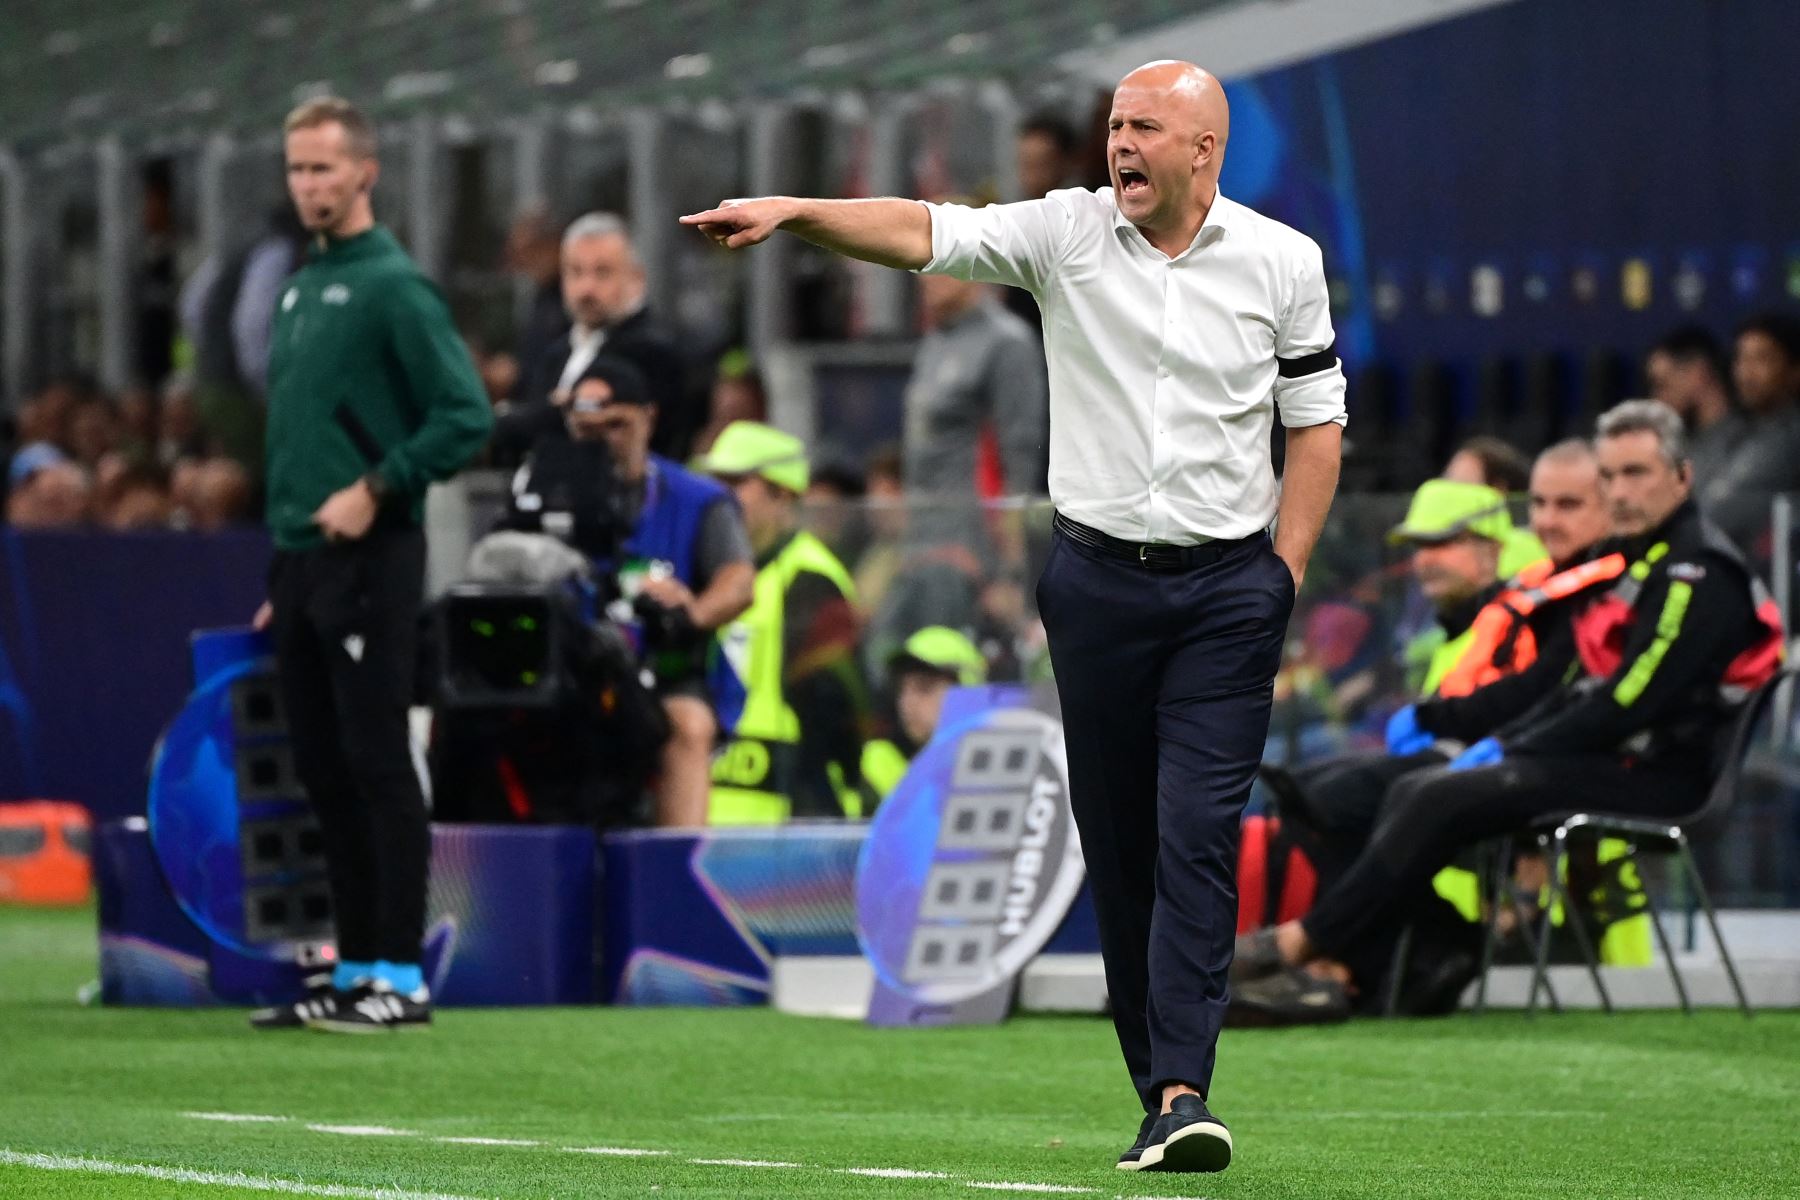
(405, 978)
(347, 975)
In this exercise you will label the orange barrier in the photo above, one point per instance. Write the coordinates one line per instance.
(44, 853)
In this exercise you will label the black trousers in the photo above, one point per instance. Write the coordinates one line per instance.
(1431, 813)
(1166, 680)
(1332, 814)
(346, 647)
(1338, 802)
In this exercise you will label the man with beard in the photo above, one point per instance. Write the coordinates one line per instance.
(1177, 322)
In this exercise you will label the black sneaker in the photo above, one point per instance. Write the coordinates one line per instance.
(376, 1008)
(1129, 1161)
(319, 1000)
(1435, 984)
(1292, 996)
(1187, 1138)
(1255, 955)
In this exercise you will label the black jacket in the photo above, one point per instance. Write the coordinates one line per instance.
(545, 324)
(650, 347)
(1474, 716)
(567, 489)
(1694, 613)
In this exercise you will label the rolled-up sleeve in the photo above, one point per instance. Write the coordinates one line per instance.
(1015, 244)
(1309, 384)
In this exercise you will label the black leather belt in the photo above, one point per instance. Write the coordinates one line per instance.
(1152, 556)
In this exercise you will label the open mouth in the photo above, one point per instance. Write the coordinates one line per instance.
(1132, 181)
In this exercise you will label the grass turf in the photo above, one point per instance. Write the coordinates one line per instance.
(1645, 1105)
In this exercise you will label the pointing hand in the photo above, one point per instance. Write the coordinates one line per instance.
(736, 224)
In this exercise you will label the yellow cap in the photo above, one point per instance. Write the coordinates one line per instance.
(943, 649)
(1443, 508)
(752, 448)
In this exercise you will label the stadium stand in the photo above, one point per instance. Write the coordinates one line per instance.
(205, 65)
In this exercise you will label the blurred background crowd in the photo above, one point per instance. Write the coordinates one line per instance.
(1499, 278)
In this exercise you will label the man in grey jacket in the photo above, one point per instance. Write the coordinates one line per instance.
(979, 366)
(1766, 369)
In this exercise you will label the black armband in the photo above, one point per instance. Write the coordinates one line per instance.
(1307, 364)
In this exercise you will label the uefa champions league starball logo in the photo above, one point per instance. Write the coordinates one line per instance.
(973, 862)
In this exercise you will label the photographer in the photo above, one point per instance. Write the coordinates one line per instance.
(686, 564)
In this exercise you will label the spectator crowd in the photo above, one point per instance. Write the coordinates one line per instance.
(924, 546)
(141, 460)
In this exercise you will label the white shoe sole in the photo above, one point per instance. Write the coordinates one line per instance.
(1202, 1146)
(330, 1026)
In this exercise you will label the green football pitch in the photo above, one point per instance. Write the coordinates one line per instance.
(618, 1102)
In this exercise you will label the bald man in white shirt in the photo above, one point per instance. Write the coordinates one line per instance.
(1177, 323)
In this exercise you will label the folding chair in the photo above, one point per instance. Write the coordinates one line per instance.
(1658, 837)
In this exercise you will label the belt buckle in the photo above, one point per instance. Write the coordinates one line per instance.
(1144, 555)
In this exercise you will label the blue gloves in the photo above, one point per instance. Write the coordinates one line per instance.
(1404, 735)
(1485, 753)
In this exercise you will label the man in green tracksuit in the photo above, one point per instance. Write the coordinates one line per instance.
(372, 397)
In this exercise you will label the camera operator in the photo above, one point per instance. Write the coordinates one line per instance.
(686, 564)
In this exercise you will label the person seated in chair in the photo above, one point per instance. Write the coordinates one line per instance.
(1665, 654)
(1506, 645)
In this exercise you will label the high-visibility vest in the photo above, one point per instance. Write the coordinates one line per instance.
(753, 774)
(883, 766)
(1444, 659)
(1500, 642)
(1601, 628)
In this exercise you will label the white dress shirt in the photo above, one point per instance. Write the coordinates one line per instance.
(1164, 377)
(584, 348)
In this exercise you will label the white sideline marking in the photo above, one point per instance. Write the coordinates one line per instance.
(639, 1152)
(1472, 1114)
(255, 1183)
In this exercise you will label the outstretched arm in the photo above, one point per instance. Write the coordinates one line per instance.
(892, 233)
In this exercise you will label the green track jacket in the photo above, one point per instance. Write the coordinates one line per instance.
(366, 373)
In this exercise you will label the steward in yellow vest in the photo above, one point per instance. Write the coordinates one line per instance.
(797, 747)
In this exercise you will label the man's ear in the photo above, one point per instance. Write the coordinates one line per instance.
(1202, 150)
